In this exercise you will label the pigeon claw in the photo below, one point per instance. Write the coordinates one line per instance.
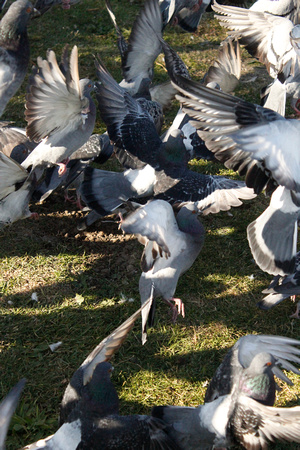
(62, 167)
(296, 313)
(177, 308)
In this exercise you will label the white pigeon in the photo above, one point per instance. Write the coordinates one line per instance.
(171, 247)
(61, 116)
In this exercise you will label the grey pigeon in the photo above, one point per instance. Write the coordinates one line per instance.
(59, 111)
(235, 418)
(140, 52)
(281, 288)
(143, 47)
(98, 149)
(240, 357)
(61, 116)
(262, 145)
(171, 247)
(7, 409)
(274, 40)
(224, 74)
(14, 49)
(132, 129)
(90, 408)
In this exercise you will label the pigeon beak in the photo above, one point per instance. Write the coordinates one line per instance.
(35, 13)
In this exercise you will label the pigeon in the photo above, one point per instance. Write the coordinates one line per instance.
(97, 149)
(60, 113)
(7, 409)
(241, 356)
(224, 74)
(143, 47)
(103, 352)
(61, 116)
(132, 129)
(259, 143)
(140, 52)
(281, 288)
(274, 41)
(90, 408)
(15, 50)
(235, 418)
(171, 246)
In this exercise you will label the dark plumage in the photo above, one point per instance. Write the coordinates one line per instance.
(132, 129)
(281, 288)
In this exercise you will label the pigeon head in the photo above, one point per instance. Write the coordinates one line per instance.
(87, 86)
(188, 221)
(257, 381)
(15, 21)
(100, 393)
(174, 151)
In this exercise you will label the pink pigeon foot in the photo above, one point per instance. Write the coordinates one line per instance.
(180, 307)
(71, 199)
(34, 216)
(296, 313)
(66, 4)
(68, 198)
(63, 167)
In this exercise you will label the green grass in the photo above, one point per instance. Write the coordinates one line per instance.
(80, 278)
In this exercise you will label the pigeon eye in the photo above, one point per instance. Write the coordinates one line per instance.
(29, 9)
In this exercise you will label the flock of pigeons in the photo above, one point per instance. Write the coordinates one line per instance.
(165, 199)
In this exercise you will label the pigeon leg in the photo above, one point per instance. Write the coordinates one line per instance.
(296, 313)
(180, 306)
(67, 197)
(34, 215)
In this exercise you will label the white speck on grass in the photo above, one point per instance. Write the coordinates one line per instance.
(34, 297)
(55, 346)
(124, 299)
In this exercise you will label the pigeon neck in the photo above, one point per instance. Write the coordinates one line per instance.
(260, 387)
(100, 393)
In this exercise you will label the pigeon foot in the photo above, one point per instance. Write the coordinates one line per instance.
(63, 167)
(296, 313)
(177, 308)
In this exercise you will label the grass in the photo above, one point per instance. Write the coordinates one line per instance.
(79, 278)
